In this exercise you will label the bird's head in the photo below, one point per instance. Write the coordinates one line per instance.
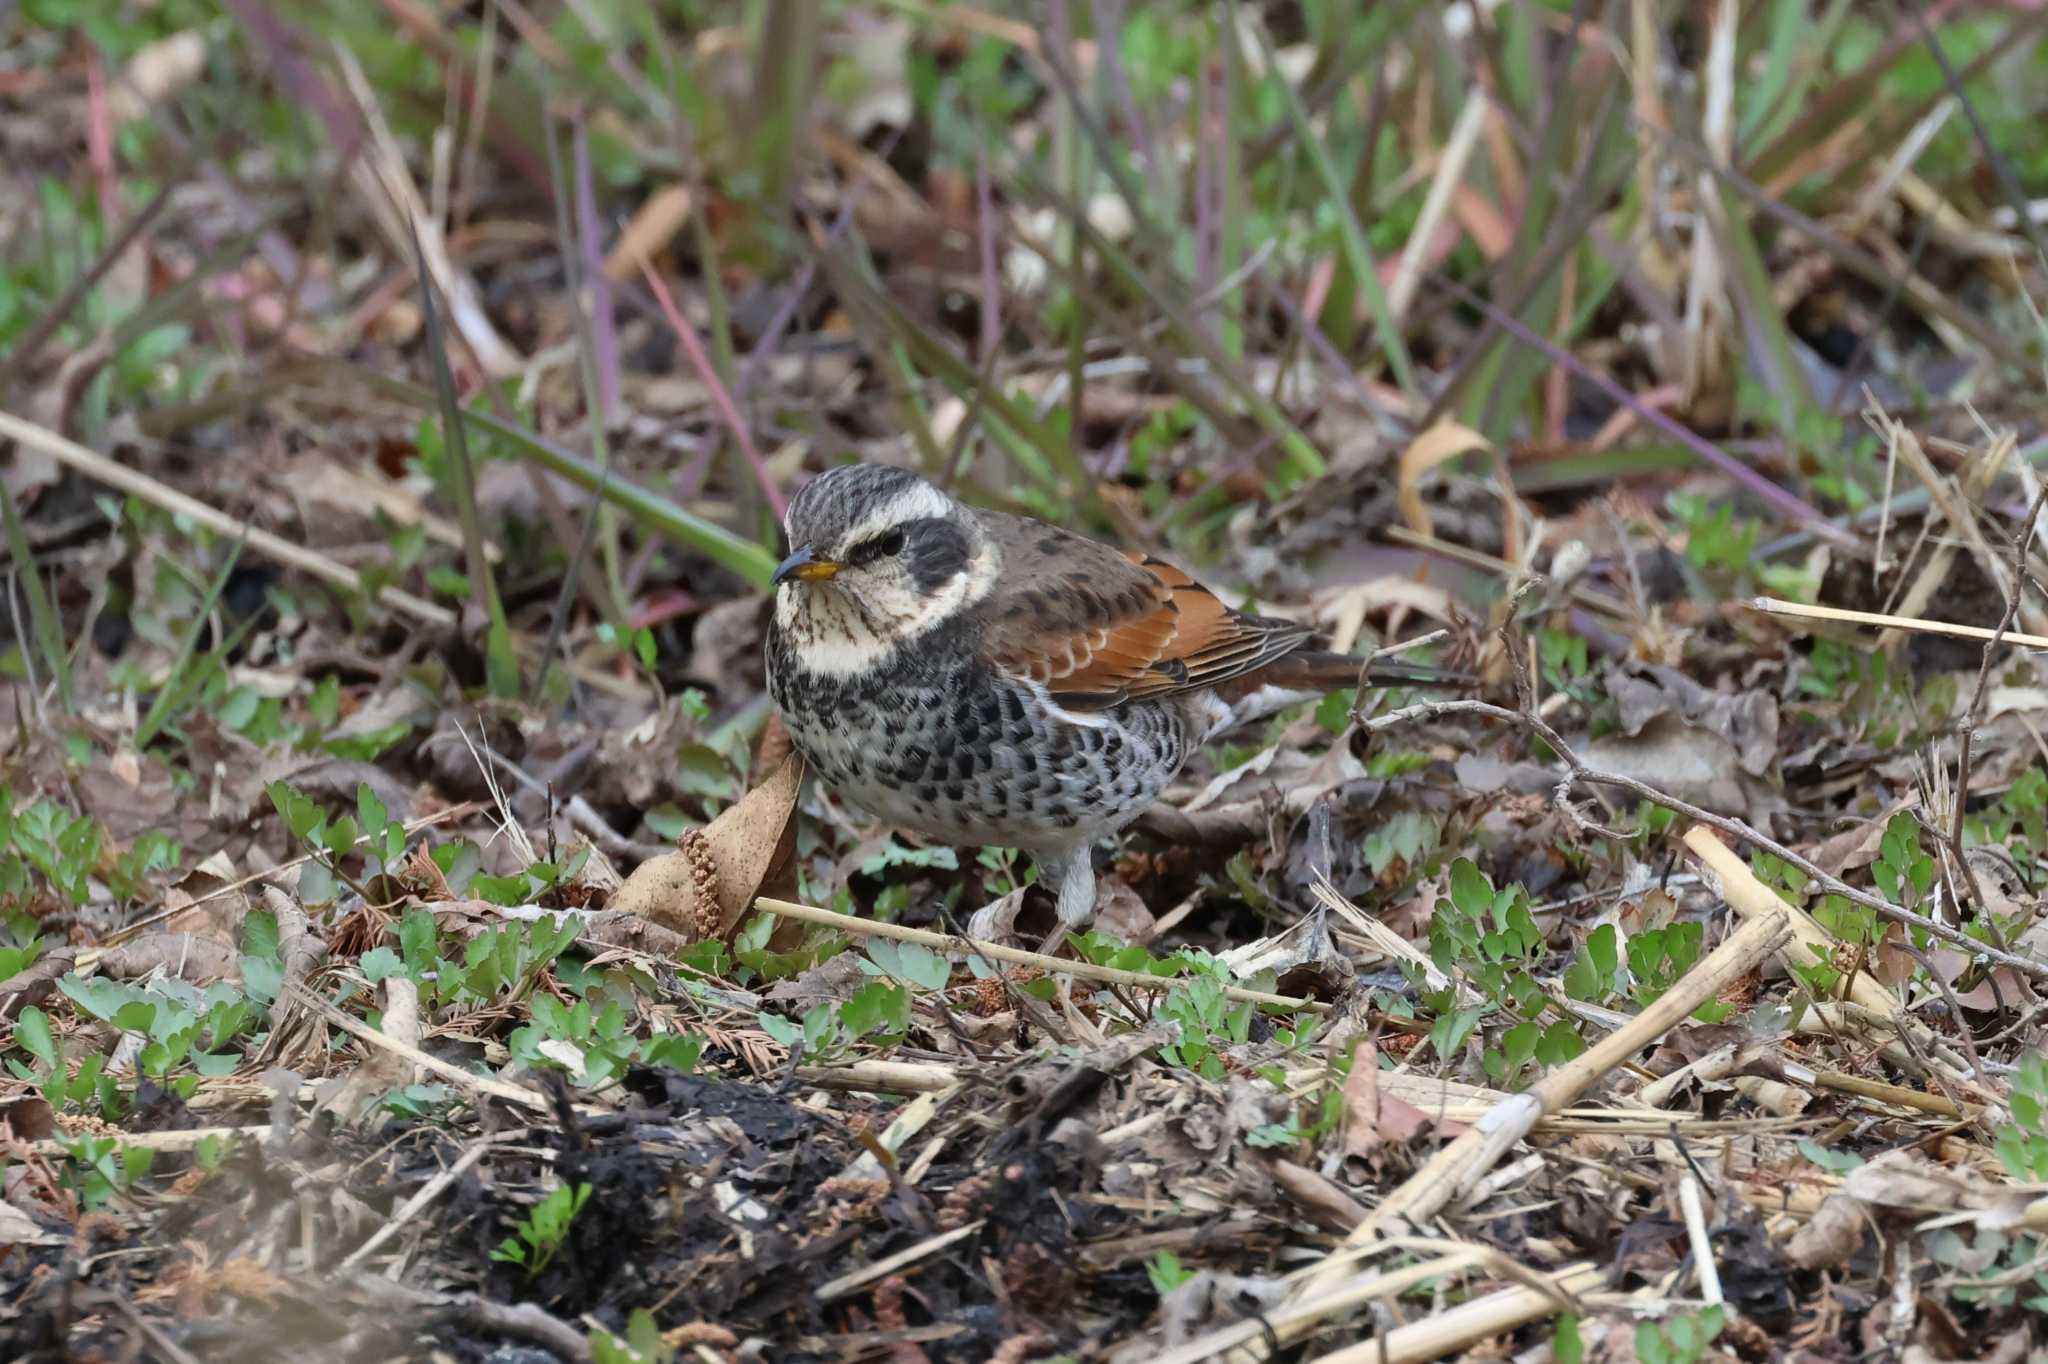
(878, 553)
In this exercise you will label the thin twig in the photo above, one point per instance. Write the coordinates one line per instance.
(462, 1079)
(2022, 544)
(1083, 970)
(427, 1193)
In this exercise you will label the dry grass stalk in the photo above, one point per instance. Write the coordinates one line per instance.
(1777, 607)
(103, 470)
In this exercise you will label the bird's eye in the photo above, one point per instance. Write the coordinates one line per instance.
(892, 543)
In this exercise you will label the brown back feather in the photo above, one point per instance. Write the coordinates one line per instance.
(1098, 627)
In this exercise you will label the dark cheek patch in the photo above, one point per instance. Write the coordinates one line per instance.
(937, 553)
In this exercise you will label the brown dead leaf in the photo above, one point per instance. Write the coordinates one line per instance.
(1831, 1236)
(1442, 442)
(131, 797)
(33, 984)
(1362, 1135)
(1378, 1122)
(1748, 721)
(1121, 912)
(649, 232)
(748, 851)
(1857, 846)
(198, 958)
(629, 933)
(1303, 958)
(17, 1228)
(26, 1117)
(1692, 763)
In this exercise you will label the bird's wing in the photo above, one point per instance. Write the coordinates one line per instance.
(1097, 627)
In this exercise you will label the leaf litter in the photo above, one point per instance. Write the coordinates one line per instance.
(396, 981)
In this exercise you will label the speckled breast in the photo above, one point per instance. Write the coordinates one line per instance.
(962, 753)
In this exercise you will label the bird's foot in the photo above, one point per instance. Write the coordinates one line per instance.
(998, 922)
(1054, 940)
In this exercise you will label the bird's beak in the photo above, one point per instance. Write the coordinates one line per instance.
(806, 565)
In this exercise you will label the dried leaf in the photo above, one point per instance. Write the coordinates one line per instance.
(748, 851)
(356, 1096)
(1444, 441)
(26, 1117)
(198, 958)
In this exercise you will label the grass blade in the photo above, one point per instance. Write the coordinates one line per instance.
(181, 681)
(498, 645)
(743, 557)
(42, 613)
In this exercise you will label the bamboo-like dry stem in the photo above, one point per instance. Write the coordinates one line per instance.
(1454, 1168)
(1776, 607)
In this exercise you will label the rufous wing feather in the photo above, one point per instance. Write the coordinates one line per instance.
(1096, 627)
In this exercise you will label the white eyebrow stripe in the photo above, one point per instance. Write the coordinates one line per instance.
(914, 503)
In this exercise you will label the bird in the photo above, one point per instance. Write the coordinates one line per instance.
(986, 679)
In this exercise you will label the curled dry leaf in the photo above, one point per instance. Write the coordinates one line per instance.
(1748, 721)
(1444, 441)
(26, 1117)
(1834, 1234)
(705, 887)
(17, 1228)
(626, 932)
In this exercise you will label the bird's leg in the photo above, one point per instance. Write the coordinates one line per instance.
(1071, 872)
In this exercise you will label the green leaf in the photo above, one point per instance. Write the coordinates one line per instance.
(325, 704)
(1447, 1036)
(259, 934)
(317, 885)
(301, 815)
(678, 1051)
(1835, 1162)
(1602, 947)
(1565, 1345)
(32, 1031)
(501, 661)
(370, 810)
(262, 977)
(1273, 1135)
(1582, 980)
(500, 890)
(913, 963)
(1560, 1043)
(875, 1006)
(1471, 891)
(340, 836)
(551, 1016)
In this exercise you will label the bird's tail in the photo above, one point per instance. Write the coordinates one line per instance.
(1308, 675)
(1318, 670)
